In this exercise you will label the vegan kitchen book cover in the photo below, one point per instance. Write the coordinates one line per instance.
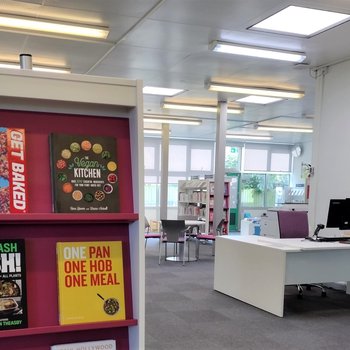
(84, 171)
(13, 297)
(13, 179)
(90, 282)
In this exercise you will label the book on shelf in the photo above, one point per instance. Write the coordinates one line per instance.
(13, 179)
(90, 282)
(13, 296)
(84, 172)
(87, 345)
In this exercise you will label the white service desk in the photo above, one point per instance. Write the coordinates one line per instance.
(256, 269)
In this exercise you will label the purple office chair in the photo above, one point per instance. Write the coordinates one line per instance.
(295, 224)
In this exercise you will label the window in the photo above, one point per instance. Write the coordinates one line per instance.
(266, 170)
(275, 186)
(232, 158)
(149, 154)
(263, 190)
(177, 157)
(201, 159)
(151, 191)
(173, 190)
(252, 190)
(280, 161)
(255, 159)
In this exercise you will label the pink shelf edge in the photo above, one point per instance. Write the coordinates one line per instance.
(67, 328)
(44, 218)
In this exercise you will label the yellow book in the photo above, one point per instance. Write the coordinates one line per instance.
(90, 282)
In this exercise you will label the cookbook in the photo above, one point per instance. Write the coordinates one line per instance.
(13, 179)
(84, 172)
(13, 297)
(90, 281)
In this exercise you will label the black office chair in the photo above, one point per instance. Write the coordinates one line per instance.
(295, 224)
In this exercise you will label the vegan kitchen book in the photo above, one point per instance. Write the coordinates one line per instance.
(90, 282)
(84, 172)
(13, 179)
(13, 297)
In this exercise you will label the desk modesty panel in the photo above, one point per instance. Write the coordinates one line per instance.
(255, 269)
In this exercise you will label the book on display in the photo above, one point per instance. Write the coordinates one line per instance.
(90, 282)
(84, 171)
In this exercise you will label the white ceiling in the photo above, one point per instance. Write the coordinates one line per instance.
(165, 43)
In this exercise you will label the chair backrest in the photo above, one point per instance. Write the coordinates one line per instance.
(220, 227)
(147, 225)
(174, 230)
(293, 224)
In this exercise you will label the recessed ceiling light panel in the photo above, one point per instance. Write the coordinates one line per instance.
(301, 21)
(263, 100)
(161, 91)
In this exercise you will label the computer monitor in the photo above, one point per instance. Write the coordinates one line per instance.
(339, 214)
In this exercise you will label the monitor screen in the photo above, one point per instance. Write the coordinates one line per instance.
(339, 214)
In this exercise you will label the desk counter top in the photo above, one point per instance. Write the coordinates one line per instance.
(288, 244)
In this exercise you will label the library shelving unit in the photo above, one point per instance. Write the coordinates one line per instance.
(43, 103)
(196, 201)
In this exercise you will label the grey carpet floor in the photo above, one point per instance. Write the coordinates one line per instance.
(184, 312)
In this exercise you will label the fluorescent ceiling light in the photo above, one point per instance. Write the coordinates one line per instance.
(248, 137)
(153, 90)
(13, 65)
(251, 90)
(169, 119)
(200, 108)
(263, 100)
(256, 51)
(152, 131)
(38, 25)
(284, 128)
(301, 21)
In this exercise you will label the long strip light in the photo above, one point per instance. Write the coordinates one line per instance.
(200, 108)
(169, 119)
(13, 65)
(251, 90)
(37, 25)
(284, 128)
(248, 137)
(152, 131)
(256, 51)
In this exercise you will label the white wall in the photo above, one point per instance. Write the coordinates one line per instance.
(331, 145)
(305, 157)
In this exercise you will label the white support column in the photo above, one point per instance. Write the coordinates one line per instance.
(219, 179)
(164, 173)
